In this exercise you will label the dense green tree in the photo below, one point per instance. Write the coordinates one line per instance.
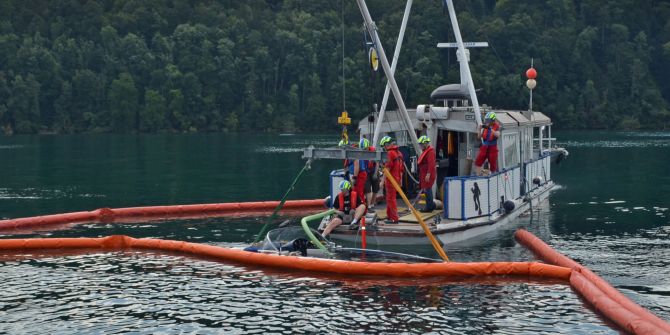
(23, 105)
(152, 116)
(123, 103)
(277, 65)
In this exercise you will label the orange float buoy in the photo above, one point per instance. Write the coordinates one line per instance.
(149, 212)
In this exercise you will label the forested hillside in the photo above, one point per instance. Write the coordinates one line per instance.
(232, 65)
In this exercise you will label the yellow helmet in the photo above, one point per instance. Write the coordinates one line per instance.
(424, 139)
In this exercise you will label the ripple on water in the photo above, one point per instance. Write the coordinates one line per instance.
(620, 258)
(150, 293)
(36, 194)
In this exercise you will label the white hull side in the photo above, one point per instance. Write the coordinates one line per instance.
(416, 237)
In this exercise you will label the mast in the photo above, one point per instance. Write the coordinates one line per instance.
(394, 63)
(464, 65)
(372, 30)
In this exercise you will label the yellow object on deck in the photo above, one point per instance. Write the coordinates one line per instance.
(426, 230)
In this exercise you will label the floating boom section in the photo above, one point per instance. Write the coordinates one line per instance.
(143, 213)
(451, 269)
(602, 296)
(605, 298)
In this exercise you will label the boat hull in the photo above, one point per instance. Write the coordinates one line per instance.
(449, 232)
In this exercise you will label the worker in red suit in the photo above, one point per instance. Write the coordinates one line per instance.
(489, 134)
(359, 172)
(394, 163)
(427, 172)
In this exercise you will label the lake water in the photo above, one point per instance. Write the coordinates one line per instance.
(609, 212)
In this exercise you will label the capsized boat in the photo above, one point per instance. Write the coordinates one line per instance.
(471, 205)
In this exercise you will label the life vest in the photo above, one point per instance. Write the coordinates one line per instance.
(362, 166)
(488, 138)
(346, 205)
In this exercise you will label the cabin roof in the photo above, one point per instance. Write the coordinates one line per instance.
(539, 119)
(450, 91)
(506, 120)
(515, 119)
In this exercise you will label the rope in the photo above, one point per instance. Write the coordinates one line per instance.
(261, 235)
(410, 174)
(344, 93)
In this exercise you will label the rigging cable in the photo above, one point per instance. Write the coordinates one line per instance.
(261, 235)
(344, 93)
(496, 53)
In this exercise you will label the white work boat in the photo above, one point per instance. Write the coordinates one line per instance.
(471, 205)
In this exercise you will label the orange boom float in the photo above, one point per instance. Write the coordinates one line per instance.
(157, 212)
(602, 296)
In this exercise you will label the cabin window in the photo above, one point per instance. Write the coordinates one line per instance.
(510, 150)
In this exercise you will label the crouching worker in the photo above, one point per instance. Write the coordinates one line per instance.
(347, 209)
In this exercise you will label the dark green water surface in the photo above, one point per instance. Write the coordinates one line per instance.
(609, 212)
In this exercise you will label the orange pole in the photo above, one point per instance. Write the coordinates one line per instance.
(426, 230)
(364, 242)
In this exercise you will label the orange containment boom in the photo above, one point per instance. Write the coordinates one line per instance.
(605, 298)
(451, 269)
(199, 210)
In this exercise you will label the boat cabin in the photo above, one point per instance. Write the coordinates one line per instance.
(450, 122)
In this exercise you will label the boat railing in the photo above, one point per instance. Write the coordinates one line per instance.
(537, 172)
(468, 197)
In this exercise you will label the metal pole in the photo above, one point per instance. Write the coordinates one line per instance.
(465, 67)
(530, 105)
(394, 63)
(372, 30)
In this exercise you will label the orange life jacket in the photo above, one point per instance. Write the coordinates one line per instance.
(352, 201)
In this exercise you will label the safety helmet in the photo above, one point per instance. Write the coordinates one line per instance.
(424, 139)
(490, 116)
(345, 185)
(343, 142)
(364, 143)
(385, 140)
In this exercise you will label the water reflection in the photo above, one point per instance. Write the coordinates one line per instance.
(609, 212)
(140, 292)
